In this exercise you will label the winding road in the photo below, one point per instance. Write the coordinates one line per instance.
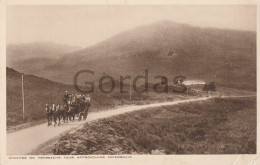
(26, 140)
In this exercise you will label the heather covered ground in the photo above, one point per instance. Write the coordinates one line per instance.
(215, 126)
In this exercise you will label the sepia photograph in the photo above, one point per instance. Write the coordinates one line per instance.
(131, 79)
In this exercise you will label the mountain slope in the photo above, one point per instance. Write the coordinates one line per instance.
(225, 56)
(168, 35)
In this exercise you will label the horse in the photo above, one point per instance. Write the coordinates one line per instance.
(57, 114)
(73, 110)
(64, 112)
(49, 115)
(84, 107)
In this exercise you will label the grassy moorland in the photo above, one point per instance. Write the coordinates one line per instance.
(215, 126)
(39, 91)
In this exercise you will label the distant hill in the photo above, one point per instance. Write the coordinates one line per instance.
(25, 57)
(225, 56)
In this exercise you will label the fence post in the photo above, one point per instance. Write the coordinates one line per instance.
(23, 96)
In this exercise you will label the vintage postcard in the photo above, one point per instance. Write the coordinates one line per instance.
(128, 82)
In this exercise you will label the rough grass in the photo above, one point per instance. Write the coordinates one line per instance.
(215, 126)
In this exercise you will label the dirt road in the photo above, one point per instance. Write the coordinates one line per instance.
(26, 140)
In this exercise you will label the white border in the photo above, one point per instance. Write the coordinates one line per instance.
(137, 159)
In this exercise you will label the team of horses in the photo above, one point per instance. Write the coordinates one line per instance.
(73, 107)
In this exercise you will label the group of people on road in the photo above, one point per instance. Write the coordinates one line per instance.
(72, 98)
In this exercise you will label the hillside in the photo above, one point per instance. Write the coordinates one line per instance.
(225, 56)
(39, 91)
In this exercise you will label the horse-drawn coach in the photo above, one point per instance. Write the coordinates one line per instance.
(74, 106)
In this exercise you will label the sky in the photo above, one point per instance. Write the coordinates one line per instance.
(86, 25)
